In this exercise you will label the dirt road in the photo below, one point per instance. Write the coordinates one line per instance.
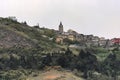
(56, 75)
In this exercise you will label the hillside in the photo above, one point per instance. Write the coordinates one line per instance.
(30, 52)
(15, 34)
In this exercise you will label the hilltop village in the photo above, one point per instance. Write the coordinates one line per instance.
(27, 51)
(86, 40)
(71, 37)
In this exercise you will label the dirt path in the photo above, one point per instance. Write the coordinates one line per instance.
(56, 75)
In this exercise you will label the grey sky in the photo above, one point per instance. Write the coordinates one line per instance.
(98, 17)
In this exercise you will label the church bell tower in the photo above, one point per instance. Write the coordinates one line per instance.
(61, 28)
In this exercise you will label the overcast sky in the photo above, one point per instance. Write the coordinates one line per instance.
(97, 17)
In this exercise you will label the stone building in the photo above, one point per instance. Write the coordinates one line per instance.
(61, 28)
(59, 39)
(63, 35)
(71, 37)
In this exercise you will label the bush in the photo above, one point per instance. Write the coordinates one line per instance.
(12, 75)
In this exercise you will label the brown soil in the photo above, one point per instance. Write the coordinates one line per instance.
(51, 75)
(56, 75)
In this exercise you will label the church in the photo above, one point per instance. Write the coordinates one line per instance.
(61, 28)
(70, 34)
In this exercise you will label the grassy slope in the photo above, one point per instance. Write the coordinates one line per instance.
(34, 35)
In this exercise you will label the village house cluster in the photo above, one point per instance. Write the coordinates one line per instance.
(70, 34)
(89, 40)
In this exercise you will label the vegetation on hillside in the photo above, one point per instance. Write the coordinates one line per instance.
(24, 49)
(35, 37)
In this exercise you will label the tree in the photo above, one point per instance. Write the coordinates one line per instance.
(110, 66)
(25, 23)
(86, 62)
